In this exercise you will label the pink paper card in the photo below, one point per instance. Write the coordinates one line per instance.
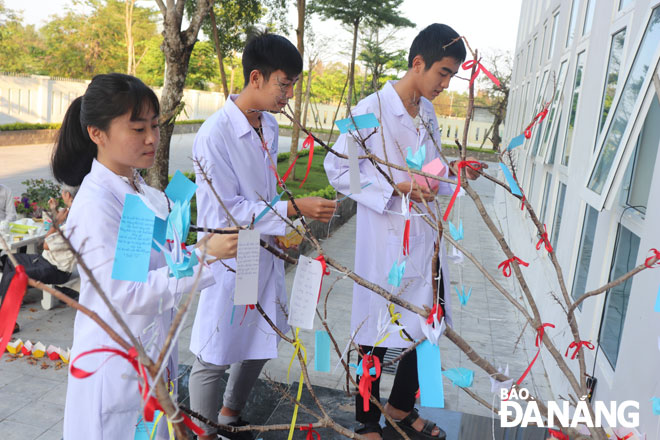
(435, 167)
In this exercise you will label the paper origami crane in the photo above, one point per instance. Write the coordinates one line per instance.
(416, 160)
(460, 376)
(462, 296)
(456, 233)
(396, 273)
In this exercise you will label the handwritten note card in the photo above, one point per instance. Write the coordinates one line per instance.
(133, 250)
(305, 293)
(247, 267)
(353, 166)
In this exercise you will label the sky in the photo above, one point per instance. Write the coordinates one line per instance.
(494, 28)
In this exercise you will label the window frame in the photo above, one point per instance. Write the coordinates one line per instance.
(556, 106)
(582, 49)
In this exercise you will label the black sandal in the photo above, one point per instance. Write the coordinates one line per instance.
(369, 428)
(241, 435)
(427, 431)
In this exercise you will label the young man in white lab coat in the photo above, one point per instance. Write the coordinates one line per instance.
(407, 119)
(237, 146)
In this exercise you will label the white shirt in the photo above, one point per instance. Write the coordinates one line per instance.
(239, 167)
(7, 209)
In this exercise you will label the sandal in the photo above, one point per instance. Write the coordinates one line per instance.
(369, 428)
(242, 435)
(427, 431)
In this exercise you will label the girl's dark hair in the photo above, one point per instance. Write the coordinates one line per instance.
(106, 98)
(436, 42)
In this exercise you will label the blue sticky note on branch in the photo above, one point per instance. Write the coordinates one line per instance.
(429, 370)
(515, 189)
(180, 188)
(322, 351)
(357, 123)
(460, 376)
(133, 250)
(516, 142)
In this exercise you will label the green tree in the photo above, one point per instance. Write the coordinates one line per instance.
(203, 69)
(499, 64)
(377, 13)
(20, 44)
(376, 58)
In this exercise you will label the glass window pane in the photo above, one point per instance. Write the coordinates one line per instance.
(553, 37)
(612, 78)
(553, 150)
(539, 103)
(546, 197)
(588, 17)
(584, 253)
(624, 3)
(624, 108)
(575, 9)
(559, 210)
(547, 123)
(614, 314)
(530, 184)
(577, 86)
(644, 162)
(545, 31)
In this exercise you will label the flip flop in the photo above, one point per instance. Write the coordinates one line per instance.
(427, 431)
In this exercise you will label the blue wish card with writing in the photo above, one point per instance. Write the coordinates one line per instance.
(160, 233)
(456, 233)
(357, 123)
(396, 274)
(143, 428)
(133, 250)
(429, 370)
(460, 376)
(515, 189)
(416, 160)
(180, 188)
(322, 351)
(516, 142)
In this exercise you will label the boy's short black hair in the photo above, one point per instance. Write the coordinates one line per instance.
(270, 52)
(430, 44)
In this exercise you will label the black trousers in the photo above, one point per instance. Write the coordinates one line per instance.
(36, 267)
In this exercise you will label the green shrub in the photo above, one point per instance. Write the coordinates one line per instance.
(17, 126)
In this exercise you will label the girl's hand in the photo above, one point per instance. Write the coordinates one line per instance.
(221, 246)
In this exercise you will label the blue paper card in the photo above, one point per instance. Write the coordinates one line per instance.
(510, 180)
(462, 296)
(143, 428)
(396, 274)
(656, 405)
(267, 208)
(456, 233)
(160, 233)
(180, 188)
(429, 370)
(133, 250)
(416, 160)
(657, 302)
(460, 376)
(516, 142)
(322, 352)
(361, 121)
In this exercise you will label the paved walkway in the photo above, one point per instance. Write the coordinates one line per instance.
(32, 393)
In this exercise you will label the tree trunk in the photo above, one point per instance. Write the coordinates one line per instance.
(308, 90)
(219, 53)
(231, 80)
(351, 71)
(496, 138)
(300, 33)
(130, 45)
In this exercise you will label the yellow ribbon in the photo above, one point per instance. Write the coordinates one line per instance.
(395, 317)
(297, 345)
(170, 429)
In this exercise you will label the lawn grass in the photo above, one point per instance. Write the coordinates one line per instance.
(317, 179)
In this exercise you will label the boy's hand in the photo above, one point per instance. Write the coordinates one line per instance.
(221, 246)
(469, 172)
(416, 191)
(316, 208)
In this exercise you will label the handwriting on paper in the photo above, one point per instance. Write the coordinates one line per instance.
(247, 267)
(133, 250)
(305, 293)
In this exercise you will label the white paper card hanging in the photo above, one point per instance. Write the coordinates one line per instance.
(305, 293)
(353, 166)
(247, 267)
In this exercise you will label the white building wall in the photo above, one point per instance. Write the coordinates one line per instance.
(635, 376)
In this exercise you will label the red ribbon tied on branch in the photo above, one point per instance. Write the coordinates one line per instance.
(151, 405)
(308, 142)
(476, 166)
(540, 116)
(480, 68)
(648, 262)
(577, 346)
(310, 432)
(368, 361)
(557, 434)
(11, 305)
(406, 234)
(325, 272)
(539, 339)
(506, 265)
(544, 239)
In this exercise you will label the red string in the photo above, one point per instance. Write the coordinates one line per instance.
(151, 405)
(311, 432)
(476, 166)
(368, 361)
(11, 305)
(437, 309)
(539, 339)
(470, 63)
(506, 265)
(251, 306)
(540, 117)
(648, 262)
(406, 238)
(577, 346)
(544, 239)
(326, 271)
(557, 434)
(309, 142)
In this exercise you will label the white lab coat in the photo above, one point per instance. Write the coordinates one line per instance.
(240, 171)
(7, 209)
(379, 235)
(107, 405)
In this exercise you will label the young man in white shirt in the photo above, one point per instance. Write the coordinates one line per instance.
(237, 147)
(407, 120)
